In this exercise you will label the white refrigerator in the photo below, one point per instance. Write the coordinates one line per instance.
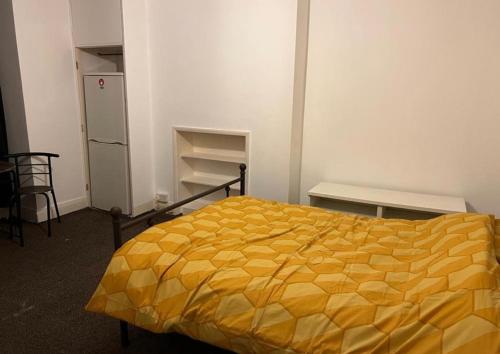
(107, 141)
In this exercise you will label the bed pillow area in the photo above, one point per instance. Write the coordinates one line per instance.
(257, 276)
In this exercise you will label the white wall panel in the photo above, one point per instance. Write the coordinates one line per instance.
(230, 65)
(46, 60)
(405, 95)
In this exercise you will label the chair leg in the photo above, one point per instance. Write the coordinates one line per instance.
(48, 214)
(11, 221)
(55, 204)
(19, 221)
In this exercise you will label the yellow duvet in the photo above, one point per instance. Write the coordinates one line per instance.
(256, 276)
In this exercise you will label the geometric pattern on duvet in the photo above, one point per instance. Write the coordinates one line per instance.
(257, 276)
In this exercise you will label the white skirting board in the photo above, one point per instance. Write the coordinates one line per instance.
(69, 206)
(65, 207)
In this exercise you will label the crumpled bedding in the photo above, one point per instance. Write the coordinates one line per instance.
(258, 276)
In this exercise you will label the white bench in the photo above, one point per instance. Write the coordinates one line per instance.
(382, 198)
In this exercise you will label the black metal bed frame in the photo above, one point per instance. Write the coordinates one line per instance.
(119, 226)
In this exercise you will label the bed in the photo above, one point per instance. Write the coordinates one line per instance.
(259, 276)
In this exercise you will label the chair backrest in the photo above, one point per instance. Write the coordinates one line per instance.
(31, 164)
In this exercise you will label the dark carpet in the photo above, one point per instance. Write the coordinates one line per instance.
(45, 286)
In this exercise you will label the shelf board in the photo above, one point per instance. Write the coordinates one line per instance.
(390, 198)
(213, 157)
(212, 181)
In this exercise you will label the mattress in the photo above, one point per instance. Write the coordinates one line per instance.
(258, 276)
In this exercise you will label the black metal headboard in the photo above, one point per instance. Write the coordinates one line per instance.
(116, 212)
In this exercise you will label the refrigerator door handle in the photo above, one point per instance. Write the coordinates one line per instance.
(107, 142)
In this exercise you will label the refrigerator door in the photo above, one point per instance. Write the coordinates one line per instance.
(105, 108)
(109, 179)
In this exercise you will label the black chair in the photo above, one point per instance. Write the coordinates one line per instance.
(29, 166)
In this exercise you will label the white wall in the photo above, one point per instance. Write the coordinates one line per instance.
(405, 95)
(138, 85)
(225, 64)
(47, 62)
(10, 82)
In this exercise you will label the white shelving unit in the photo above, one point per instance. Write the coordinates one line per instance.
(206, 158)
(382, 202)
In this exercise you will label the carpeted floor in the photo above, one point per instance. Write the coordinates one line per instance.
(45, 285)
